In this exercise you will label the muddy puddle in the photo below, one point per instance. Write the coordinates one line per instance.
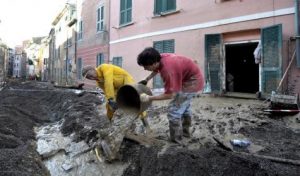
(52, 131)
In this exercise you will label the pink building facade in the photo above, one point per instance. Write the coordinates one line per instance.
(221, 36)
(92, 35)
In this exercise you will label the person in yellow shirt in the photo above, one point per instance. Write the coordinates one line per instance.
(110, 78)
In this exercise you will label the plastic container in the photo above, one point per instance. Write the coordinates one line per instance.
(240, 142)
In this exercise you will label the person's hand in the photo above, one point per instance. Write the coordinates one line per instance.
(144, 97)
(112, 104)
(144, 82)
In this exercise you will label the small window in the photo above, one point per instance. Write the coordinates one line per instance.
(100, 18)
(79, 68)
(125, 11)
(164, 46)
(117, 61)
(99, 59)
(163, 6)
(80, 29)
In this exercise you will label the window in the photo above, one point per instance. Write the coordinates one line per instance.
(99, 59)
(125, 11)
(100, 18)
(164, 46)
(79, 68)
(117, 61)
(80, 30)
(161, 6)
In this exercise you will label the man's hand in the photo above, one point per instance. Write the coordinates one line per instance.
(144, 97)
(113, 105)
(144, 82)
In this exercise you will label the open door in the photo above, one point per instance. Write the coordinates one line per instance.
(213, 62)
(271, 39)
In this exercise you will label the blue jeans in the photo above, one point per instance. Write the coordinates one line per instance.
(180, 106)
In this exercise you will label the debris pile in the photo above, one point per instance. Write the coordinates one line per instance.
(46, 130)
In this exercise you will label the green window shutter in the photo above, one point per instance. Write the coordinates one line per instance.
(117, 61)
(79, 68)
(171, 5)
(165, 46)
(164, 6)
(213, 50)
(99, 59)
(168, 46)
(271, 39)
(159, 46)
(158, 82)
(122, 11)
(158, 6)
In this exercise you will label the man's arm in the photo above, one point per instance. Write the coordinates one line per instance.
(145, 81)
(151, 76)
(161, 97)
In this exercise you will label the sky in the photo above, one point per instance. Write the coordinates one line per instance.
(23, 19)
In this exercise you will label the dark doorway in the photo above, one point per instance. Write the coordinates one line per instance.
(242, 73)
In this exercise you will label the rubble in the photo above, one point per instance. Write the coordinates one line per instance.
(49, 131)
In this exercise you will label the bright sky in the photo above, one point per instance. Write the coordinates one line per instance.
(23, 19)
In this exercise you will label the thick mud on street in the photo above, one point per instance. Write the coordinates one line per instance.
(50, 131)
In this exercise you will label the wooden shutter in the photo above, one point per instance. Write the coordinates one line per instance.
(164, 6)
(271, 39)
(168, 46)
(128, 10)
(159, 46)
(171, 5)
(117, 61)
(100, 59)
(122, 11)
(79, 68)
(213, 53)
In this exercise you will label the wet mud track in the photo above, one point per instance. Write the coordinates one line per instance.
(26, 105)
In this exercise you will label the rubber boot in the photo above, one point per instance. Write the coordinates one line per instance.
(175, 131)
(186, 124)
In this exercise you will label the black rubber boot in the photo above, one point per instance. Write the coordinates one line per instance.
(186, 124)
(175, 131)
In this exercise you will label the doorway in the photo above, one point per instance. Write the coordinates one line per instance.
(242, 73)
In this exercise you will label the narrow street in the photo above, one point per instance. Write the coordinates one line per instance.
(27, 107)
(149, 88)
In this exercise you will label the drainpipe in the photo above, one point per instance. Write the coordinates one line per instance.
(297, 30)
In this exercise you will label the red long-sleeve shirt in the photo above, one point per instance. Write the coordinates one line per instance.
(180, 73)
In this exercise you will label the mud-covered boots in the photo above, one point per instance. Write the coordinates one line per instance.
(175, 131)
(186, 124)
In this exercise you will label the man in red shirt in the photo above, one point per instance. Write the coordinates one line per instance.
(182, 79)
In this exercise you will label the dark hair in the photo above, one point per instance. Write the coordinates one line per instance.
(148, 56)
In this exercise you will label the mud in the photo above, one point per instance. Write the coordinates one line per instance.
(28, 105)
